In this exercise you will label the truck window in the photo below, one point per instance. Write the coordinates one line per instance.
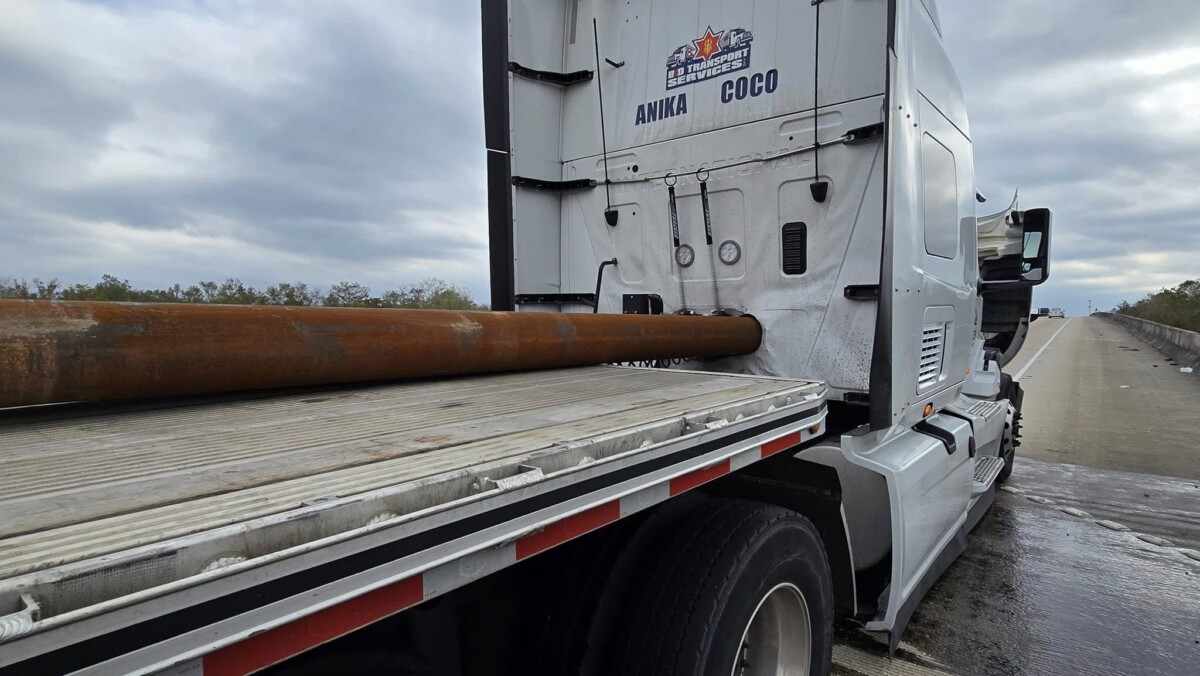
(940, 179)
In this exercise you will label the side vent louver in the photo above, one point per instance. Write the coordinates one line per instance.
(933, 341)
(795, 249)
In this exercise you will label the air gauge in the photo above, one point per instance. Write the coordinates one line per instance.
(685, 255)
(729, 252)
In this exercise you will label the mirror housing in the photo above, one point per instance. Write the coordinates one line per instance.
(1035, 252)
(1035, 258)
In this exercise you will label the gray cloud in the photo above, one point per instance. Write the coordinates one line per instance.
(1092, 108)
(290, 140)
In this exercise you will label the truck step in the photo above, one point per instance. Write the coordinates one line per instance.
(986, 471)
(986, 409)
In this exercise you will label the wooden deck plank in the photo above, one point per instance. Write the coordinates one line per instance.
(158, 475)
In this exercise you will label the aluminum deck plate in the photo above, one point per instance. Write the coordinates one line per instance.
(81, 487)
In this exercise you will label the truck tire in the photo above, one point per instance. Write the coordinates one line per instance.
(1012, 432)
(1008, 453)
(719, 593)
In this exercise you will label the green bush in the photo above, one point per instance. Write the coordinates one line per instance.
(430, 294)
(1178, 307)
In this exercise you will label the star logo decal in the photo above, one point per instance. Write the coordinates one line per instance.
(713, 54)
(708, 45)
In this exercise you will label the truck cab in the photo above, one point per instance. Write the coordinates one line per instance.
(817, 174)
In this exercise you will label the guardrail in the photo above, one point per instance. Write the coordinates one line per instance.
(1182, 346)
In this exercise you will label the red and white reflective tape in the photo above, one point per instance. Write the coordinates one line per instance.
(275, 645)
(278, 644)
(568, 529)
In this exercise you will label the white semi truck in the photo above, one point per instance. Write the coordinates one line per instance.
(807, 164)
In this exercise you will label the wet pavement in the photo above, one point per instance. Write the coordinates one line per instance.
(1164, 507)
(1040, 591)
(1089, 563)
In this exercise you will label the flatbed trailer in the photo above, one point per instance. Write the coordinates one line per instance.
(224, 535)
(801, 170)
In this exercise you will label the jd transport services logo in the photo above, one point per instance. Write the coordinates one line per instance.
(711, 55)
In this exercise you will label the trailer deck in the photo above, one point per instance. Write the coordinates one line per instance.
(119, 515)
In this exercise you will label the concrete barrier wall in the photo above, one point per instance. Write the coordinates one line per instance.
(1182, 346)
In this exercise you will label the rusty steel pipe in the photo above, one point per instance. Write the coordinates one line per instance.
(57, 351)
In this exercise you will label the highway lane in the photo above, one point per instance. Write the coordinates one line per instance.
(1099, 397)
(1117, 423)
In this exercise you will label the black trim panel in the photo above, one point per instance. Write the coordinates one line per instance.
(501, 249)
(641, 304)
(793, 248)
(969, 421)
(105, 647)
(864, 134)
(552, 186)
(557, 299)
(861, 292)
(499, 161)
(550, 77)
(945, 436)
(891, 27)
(880, 383)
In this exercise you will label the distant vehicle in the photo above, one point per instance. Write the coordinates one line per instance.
(1043, 312)
(1057, 313)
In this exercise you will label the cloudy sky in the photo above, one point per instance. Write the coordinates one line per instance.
(296, 140)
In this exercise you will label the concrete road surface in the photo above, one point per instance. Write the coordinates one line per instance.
(1097, 396)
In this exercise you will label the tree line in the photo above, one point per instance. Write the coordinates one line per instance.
(1178, 307)
(429, 294)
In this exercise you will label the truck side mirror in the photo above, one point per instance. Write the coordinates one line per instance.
(1035, 254)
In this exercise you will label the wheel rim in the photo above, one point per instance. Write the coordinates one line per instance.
(778, 639)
